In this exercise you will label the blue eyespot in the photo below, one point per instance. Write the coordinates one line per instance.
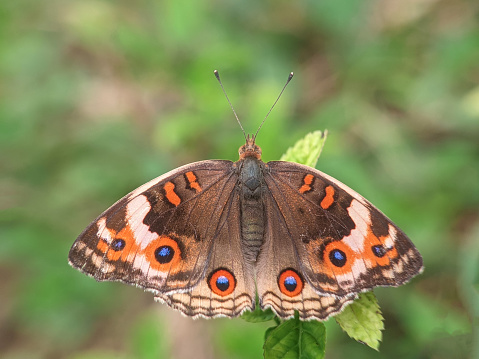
(337, 257)
(118, 245)
(164, 251)
(379, 251)
(222, 283)
(290, 283)
(164, 254)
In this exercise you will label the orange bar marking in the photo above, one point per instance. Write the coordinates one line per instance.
(308, 179)
(190, 176)
(328, 200)
(171, 196)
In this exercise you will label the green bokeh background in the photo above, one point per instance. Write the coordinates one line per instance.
(98, 97)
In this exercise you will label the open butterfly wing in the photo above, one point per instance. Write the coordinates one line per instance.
(171, 236)
(346, 245)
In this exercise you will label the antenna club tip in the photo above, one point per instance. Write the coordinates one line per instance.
(290, 76)
(216, 74)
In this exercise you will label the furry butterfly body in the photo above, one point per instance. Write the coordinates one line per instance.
(207, 237)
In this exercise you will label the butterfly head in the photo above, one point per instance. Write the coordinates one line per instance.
(250, 149)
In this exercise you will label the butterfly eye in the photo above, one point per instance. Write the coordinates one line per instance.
(379, 251)
(222, 282)
(337, 257)
(290, 282)
(118, 244)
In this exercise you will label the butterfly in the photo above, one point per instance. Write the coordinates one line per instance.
(209, 237)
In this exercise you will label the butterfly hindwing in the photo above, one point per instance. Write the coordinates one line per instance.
(281, 284)
(176, 236)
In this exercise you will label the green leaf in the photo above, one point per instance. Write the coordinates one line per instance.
(295, 339)
(258, 315)
(362, 320)
(307, 150)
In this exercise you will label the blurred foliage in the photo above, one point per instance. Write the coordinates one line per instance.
(98, 97)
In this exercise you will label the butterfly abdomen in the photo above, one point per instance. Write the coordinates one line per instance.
(252, 207)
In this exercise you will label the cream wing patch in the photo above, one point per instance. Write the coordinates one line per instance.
(130, 244)
(137, 210)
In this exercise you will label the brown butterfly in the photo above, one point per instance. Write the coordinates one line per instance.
(207, 237)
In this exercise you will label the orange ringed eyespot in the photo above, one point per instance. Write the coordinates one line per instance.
(222, 282)
(290, 283)
(122, 245)
(376, 250)
(163, 254)
(338, 258)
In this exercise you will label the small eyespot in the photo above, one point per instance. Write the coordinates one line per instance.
(164, 254)
(290, 282)
(337, 257)
(379, 251)
(222, 282)
(118, 244)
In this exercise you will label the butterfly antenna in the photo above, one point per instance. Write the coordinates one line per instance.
(274, 104)
(227, 98)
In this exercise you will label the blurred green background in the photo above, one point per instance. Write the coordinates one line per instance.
(98, 97)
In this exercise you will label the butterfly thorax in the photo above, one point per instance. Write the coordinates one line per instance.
(251, 185)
